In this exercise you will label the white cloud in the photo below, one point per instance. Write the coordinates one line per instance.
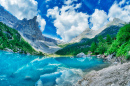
(122, 2)
(122, 13)
(127, 8)
(128, 2)
(20, 8)
(98, 19)
(68, 22)
(68, 2)
(78, 5)
(42, 22)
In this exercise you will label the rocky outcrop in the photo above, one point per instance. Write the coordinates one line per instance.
(29, 29)
(117, 75)
(110, 28)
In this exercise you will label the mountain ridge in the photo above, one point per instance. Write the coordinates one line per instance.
(89, 33)
(8, 19)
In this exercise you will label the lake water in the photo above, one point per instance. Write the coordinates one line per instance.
(27, 70)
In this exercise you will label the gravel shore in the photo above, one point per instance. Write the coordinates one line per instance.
(116, 75)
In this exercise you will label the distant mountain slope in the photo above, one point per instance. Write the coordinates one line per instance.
(30, 31)
(112, 31)
(11, 40)
(88, 33)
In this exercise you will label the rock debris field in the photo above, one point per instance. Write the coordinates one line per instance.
(116, 75)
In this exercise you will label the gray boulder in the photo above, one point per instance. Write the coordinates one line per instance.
(109, 57)
(98, 56)
(81, 55)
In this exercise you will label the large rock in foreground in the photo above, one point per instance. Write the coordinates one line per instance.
(112, 76)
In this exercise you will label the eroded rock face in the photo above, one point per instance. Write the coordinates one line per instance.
(7, 18)
(29, 29)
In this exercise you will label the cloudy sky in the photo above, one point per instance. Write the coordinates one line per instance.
(65, 19)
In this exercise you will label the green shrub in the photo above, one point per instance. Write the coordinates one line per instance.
(113, 48)
(128, 57)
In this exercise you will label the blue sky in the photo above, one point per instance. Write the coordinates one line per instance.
(66, 19)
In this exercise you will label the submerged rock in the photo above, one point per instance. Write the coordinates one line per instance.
(3, 77)
(28, 78)
(62, 78)
(81, 55)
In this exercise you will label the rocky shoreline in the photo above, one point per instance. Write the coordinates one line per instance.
(114, 75)
(112, 58)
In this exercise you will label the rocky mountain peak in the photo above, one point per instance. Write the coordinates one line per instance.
(116, 20)
(88, 33)
(35, 18)
(29, 29)
(25, 19)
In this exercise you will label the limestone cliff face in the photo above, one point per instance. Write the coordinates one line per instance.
(30, 31)
(110, 28)
(7, 18)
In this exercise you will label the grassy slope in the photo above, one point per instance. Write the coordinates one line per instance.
(11, 39)
(64, 45)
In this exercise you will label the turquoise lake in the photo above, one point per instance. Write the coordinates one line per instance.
(26, 70)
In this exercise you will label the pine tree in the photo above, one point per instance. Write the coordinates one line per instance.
(108, 39)
(93, 47)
